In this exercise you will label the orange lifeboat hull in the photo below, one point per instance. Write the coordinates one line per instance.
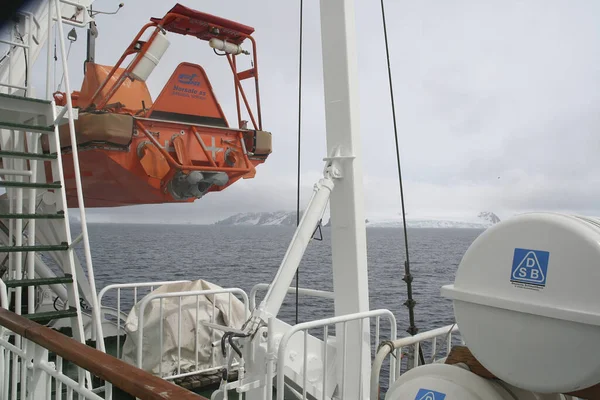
(138, 174)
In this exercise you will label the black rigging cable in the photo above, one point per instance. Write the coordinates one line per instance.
(299, 141)
(410, 303)
(24, 56)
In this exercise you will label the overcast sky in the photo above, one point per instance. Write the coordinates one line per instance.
(497, 103)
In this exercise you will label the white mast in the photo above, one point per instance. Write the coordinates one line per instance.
(342, 184)
(348, 236)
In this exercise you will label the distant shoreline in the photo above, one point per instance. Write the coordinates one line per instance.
(268, 226)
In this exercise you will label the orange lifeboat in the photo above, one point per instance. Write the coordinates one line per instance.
(177, 148)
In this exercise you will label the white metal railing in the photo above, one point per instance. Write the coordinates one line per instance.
(31, 375)
(81, 11)
(277, 356)
(416, 347)
(138, 289)
(291, 290)
(25, 46)
(38, 378)
(160, 297)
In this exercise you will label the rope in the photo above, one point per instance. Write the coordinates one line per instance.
(55, 54)
(299, 142)
(410, 303)
(63, 74)
(24, 56)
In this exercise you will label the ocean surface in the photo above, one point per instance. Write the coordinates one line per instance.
(238, 256)
(242, 256)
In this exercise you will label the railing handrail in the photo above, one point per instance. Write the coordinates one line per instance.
(134, 285)
(393, 345)
(419, 337)
(185, 293)
(291, 290)
(127, 377)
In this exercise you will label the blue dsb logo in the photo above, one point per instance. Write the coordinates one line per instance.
(530, 266)
(426, 394)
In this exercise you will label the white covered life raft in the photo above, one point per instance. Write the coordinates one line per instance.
(211, 308)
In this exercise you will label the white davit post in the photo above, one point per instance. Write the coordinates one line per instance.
(348, 235)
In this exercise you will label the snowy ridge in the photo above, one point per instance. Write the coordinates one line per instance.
(425, 223)
(278, 218)
(288, 218)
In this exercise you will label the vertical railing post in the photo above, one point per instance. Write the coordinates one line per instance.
(18, 258)
(3, 352)
(49, 64)
(6, 376)
(9, 87)
(29, 31)
(3, 381)
(38, 378)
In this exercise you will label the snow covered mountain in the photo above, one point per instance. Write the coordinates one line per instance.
(279, 218)
(489, 216)
(288, 218)
(424, 223)
(484, 220)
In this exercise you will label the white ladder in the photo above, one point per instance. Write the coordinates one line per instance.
(28, 119)
(26, 167)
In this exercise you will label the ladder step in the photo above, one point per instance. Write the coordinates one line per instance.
(26, 113)
(40, 247)
(39, 281)
(26, 127)
(26, 99)
(58, 215)
(45, 317)
(28, 156)
(15, 172)
(29, 185)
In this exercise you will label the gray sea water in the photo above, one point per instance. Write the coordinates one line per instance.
(233, 256)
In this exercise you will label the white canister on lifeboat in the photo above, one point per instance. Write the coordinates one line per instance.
(149, 60)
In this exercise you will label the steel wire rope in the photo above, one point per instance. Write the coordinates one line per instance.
(299, 140)
(410, 303)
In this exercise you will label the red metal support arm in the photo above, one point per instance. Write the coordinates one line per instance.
(238, 85)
